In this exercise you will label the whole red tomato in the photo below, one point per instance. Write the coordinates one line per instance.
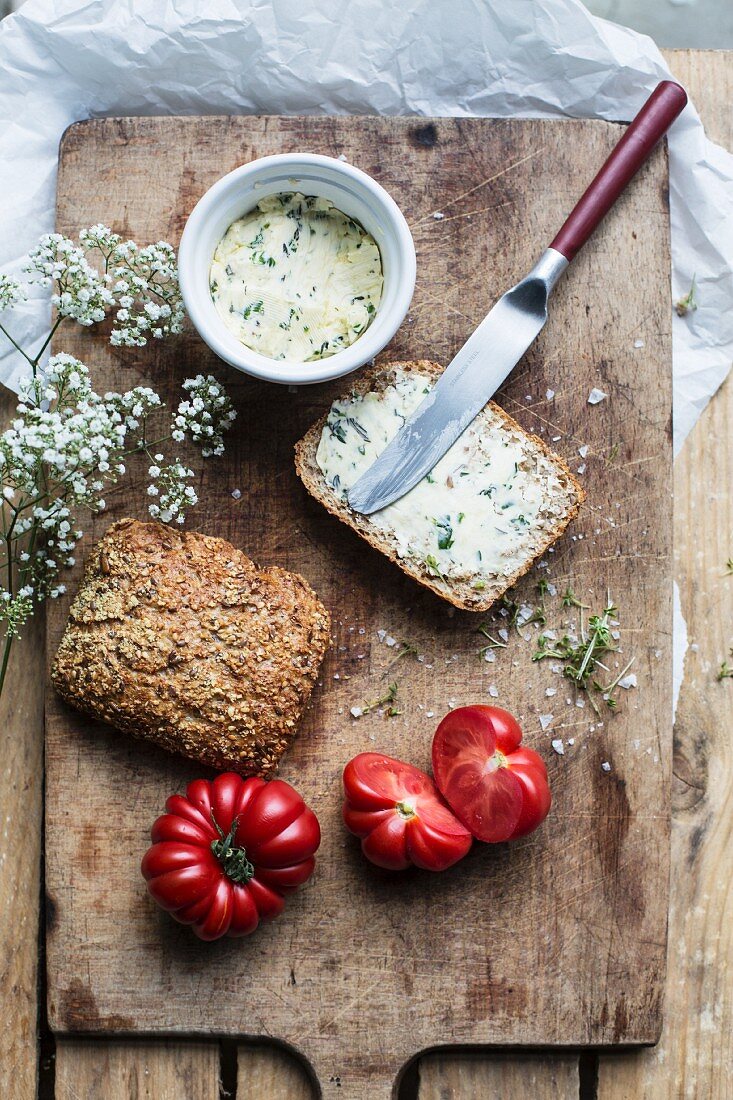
(224, 856)
(400, 816)
(498, 789)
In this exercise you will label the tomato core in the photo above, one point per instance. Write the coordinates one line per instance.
(404, 809)
(234, 860)
(498, 760)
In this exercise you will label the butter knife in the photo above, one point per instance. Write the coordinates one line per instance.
(493, 350)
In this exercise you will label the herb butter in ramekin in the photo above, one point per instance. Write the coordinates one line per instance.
(295, 279)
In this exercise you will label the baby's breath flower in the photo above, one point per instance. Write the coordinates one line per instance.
(11, 292)
(148, 296)
(206, 415)
(79, 292)
(175, 497)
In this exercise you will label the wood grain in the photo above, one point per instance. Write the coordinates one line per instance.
(21, 799)
(266, 1071)
(446, 1076)
(585, 899)
(695, 1054)
(141, 1070)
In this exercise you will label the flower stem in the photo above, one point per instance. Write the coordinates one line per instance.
(18, 347)
(6, 658)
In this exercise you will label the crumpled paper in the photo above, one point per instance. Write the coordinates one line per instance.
(64, 60)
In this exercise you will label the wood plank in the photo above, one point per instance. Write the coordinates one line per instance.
(590, 912)
(695, 1053)
(269, 1071)
(446, 1076)
(21, 799)
(139, 1070)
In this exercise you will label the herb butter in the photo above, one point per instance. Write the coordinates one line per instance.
(296, 279)
(484, 509)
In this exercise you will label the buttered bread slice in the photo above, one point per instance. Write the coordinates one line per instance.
(490, 507)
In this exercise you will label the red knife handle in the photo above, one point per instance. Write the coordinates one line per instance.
(650, 125)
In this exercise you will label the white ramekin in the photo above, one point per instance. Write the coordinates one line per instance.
(350, 190)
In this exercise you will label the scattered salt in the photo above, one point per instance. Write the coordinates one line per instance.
(638, 343)
(236, 493)
(549, 692)
(356, 712)
(555, 438)
(390, 641)
(580, 703)
(550, 394)
(606, 766)
(628, 681)
(429, 713)
(583, 451)
(596, 396)
(571, 740)
(493, 691)
(381, 634)
(438, 215)
(504, 634)
(581, 468)
(545, 720)
(342, 156)
(558, 746)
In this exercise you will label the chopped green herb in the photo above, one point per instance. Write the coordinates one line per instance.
(688, 304)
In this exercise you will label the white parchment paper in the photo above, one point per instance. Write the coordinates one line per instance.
(64, 60)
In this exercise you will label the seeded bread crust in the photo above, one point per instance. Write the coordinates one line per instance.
(179, 638)
(460, 594)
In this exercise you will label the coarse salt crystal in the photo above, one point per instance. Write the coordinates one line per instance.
(390, 641)
(550, 394)
(583, 451)
(558, 746)
(381, 634)
(579, 703)
(638, 343)
(606, 766)
(596, 396)
(236, 493)
(571, 740)
(504, 634)
(342, 156)
(581, 468)
(545, 720)
(356, 712)
(489, 656)
(438, 215)
(549, 692)
(493, 691)
(628, 681)
(430, 714)
(555, 438)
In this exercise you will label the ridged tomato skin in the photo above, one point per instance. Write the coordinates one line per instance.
(264, 837)
(495, 786)
(400, 815)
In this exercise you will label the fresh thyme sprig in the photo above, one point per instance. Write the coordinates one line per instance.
(407, 650)
(569, 599)
(494, 643)
(725, 671)
(583, 657)
(688, 303)
(387, 700)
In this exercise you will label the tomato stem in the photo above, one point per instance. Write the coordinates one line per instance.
(233, 860)
(404, 809)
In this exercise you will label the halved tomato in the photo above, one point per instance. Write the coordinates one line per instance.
(496, 788)
(399, 814)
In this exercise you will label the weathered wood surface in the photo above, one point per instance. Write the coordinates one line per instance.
(266, 1071)
(695, 1054)
(138, 1070)
(21, 794)
(446, 1076)
(365, 970)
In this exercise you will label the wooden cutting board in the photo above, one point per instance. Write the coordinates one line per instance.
(558, 939)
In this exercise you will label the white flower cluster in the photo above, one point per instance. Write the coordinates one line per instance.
(10, 292)
(206, 415)
(146, 287)
(66, 444)
(80, 291)
(168, 485)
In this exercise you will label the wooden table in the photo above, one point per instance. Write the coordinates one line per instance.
(695, 1054)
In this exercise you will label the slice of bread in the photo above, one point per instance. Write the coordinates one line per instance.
(558, 491)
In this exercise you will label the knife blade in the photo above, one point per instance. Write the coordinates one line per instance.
(462, 390)
(493, 350)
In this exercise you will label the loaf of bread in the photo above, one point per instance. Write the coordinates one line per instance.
(493, 504)
(179, 638)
